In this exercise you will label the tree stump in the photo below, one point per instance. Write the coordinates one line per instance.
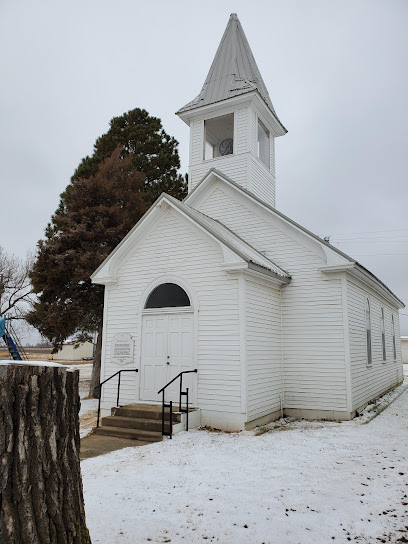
(41, 498)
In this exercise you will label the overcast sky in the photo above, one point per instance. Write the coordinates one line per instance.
(336, 71)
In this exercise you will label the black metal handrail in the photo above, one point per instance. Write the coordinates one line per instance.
(170, 404)
(107, 379)
(13, 342)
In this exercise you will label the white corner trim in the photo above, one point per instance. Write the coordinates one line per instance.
(243, 344)
(346, 333)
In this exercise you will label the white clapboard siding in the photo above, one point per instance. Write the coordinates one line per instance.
(264, 349)
(313, 348)
(272, 155)
(262, 182)
(233, 166)
(175, 246)
(254, 132)
(196, 141)
(369, 381)
(241, 143)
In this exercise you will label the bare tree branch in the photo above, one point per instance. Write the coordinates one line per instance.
(17, 297)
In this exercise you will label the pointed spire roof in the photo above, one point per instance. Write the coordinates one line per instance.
(233, 71)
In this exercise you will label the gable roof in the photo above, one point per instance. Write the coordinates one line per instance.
(233, 71)
(255, 260)
(230, 239)
(364, 272)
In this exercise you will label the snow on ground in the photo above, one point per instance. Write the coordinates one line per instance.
(87, 413)
(302, 482)
(8, 362)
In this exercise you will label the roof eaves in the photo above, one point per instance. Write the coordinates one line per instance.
(382, 284)
(263, 270)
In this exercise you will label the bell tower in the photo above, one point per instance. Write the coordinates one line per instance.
(233, 124)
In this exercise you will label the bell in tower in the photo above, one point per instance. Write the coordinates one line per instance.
(219, 136)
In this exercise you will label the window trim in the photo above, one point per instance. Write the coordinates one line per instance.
(394, 343)
(383, 342)
(368, 335)
(268, 133)
(176, 290)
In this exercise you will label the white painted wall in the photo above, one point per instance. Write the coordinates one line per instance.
(241, 131)
(262, 183)
(175, 247)
(313, 346)
(369, 382)
(263, 348)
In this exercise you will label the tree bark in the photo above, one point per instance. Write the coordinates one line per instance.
(41, 498)
(96, 369)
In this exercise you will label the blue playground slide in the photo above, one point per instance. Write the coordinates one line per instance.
(15, 350)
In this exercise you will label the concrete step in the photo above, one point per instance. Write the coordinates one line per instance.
(144, 411)
(135, 423)
(134, 434)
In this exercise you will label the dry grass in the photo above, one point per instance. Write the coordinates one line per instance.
(40, 354)
(88, 419)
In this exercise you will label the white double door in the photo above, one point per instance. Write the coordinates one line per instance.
(167, 350)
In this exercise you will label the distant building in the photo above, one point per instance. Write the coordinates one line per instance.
(404, 349)
(74, 352)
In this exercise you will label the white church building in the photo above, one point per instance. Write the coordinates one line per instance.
(275, 320)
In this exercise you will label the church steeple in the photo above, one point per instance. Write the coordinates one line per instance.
(233, 119)
(233, 72)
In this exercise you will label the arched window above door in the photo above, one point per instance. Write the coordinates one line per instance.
(167, 295)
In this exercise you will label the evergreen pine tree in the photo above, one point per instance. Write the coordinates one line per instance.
(132, 164)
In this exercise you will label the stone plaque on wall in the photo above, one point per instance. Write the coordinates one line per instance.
(122, 349)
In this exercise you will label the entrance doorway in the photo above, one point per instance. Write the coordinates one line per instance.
(167, 343)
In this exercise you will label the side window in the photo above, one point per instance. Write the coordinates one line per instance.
(368, 333)
(264, 145)
(384, 353)
(394, 348)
